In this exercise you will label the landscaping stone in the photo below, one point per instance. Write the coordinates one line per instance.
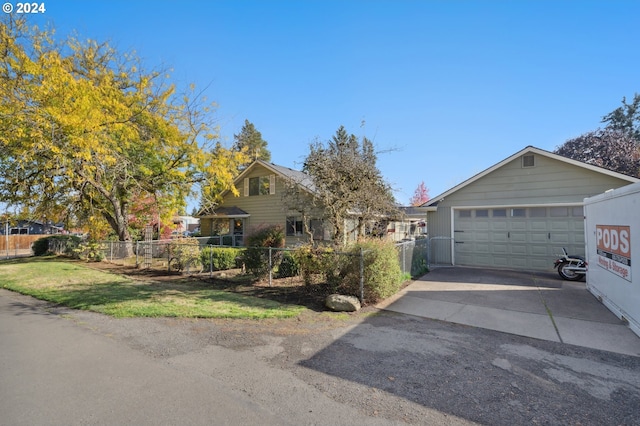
(342, 303)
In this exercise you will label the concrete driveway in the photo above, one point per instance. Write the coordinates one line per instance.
(531, 304)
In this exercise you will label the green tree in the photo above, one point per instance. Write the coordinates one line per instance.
(84, 126)
(250, 140)
(348, 183)
(626, 118)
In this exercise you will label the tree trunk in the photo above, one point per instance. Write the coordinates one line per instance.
(119, 222)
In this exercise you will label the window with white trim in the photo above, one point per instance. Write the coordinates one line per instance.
(260, 185)
(294, 226)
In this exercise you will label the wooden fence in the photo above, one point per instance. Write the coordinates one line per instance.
(17, 242)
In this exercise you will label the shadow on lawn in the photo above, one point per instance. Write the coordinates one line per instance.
(149, 283)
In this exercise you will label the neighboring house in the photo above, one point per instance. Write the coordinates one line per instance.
(412, 225)
(517, 214)
(32, 227)
(185, 225)
(261, 186)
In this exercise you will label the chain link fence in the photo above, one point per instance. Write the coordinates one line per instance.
(413, 257)
(204, 256)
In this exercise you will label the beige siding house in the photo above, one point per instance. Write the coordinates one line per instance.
(517, 214)
(261, 187)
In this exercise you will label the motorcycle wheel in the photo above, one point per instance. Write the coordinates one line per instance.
(568, 274)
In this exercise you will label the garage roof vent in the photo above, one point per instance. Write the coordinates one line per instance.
(528, 160)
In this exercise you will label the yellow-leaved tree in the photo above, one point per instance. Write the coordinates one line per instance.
(86, 127)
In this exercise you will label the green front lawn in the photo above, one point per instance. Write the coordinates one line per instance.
(72, 284)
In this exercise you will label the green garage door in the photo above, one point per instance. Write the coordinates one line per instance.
(517, 238)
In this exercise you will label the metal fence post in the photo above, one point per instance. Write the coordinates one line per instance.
(210, 261)
(270, 274)
(404, 258)
(361, 275)
(137, 250)
(168, 257)
(111, 250)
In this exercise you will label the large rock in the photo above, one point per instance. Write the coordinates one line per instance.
(342, 303)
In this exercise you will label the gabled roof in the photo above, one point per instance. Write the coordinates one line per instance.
(533, 150)
(300, 178)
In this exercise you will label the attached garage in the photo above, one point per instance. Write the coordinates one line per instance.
(518, 214)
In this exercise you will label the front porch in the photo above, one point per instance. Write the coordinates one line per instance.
(225, 226)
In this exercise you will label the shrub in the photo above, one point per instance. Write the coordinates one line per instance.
(40, 246)
(256, 255)
(308, 263)
(91, 251)
(288, 267)
(55, 244)
(382, 273)
(185, 253)
(317, 264)
(219, 258)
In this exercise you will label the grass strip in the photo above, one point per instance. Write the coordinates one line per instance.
(71, 284)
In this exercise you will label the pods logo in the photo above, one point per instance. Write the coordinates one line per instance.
(613, 245)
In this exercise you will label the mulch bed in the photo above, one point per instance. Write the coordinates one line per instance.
(284, 290)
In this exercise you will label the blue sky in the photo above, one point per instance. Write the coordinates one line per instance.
(450, 87)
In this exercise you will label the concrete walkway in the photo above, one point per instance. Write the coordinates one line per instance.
(531, 304)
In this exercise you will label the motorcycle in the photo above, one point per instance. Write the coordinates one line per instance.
(571, 267)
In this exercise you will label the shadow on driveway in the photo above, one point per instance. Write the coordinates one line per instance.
(479, 374)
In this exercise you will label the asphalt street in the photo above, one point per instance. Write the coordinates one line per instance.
(62, 366)
(55, 372)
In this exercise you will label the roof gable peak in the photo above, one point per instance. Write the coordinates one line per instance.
(528, 149)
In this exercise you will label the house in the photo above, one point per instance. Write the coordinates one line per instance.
(517, 214)
(412, 225)
(262, 186)
(32, 227)
(185, 225)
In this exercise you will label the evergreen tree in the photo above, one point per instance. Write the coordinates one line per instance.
(626, 118)
(251, 140)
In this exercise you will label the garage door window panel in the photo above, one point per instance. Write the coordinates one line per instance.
(538, 212)
(499, 212)
(558, 212)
